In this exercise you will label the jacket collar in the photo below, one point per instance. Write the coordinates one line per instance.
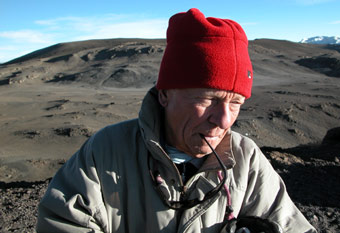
(151, 126)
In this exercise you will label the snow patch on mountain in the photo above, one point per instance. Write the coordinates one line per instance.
(322, 40)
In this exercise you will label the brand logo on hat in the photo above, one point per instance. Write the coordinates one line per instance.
(249, 74)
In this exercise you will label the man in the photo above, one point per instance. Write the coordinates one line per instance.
(178, 167)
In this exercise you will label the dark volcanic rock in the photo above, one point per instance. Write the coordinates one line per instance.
(323, 64)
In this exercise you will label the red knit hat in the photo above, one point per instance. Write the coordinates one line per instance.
(205, 53)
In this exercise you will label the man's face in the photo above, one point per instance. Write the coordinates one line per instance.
(191, 112)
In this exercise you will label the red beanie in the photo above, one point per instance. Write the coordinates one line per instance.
(205, 53)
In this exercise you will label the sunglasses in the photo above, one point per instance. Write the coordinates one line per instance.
(185, 203)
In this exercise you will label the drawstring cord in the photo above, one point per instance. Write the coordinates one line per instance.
(186, 204)
(229, 209)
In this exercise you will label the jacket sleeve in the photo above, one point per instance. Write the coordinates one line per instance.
(266, 195)
(73, 200)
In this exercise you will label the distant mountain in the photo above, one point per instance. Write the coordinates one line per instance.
(125, 63)
(322, 40)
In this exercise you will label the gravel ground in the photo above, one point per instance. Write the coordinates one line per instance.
(18, 205)
(312, 180)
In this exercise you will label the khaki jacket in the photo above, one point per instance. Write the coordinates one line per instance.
(106, 186)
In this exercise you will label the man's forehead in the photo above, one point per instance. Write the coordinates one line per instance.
(202, 92)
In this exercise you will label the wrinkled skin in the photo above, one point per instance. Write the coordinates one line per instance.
(191, 112)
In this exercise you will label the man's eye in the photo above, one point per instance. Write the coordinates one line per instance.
(240, 102)
(235, 106)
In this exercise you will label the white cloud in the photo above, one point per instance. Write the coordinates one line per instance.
(93, 19)
(66, 29)
(335, 22)
(8, 53)
(27, 36)
(141, 29)
(56, 21)
(107, 26)
(7, 48)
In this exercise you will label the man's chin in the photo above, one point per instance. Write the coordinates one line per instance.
(201, 152)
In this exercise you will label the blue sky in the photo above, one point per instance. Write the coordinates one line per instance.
(26, 26)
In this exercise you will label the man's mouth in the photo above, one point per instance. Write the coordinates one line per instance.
(209, 137)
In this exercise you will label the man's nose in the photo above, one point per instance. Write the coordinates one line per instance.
(221, 116)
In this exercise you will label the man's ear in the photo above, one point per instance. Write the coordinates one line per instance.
(163, 98)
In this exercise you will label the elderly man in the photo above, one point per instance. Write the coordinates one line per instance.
(178, 167)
